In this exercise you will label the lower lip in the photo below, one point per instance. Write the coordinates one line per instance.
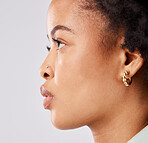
(47, 101)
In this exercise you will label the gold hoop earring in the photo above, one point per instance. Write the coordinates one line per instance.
(127, 80)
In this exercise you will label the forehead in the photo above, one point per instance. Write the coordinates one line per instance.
(69, 13)
(60, 11)
(62, 3)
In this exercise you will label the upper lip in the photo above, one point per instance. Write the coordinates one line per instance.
(45, 92)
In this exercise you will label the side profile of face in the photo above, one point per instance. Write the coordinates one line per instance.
(80, 74)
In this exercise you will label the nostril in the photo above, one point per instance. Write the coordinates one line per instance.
(46, 75)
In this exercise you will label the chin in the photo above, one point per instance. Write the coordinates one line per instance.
(64, 122)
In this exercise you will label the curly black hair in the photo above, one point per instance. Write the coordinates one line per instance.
(132, 16)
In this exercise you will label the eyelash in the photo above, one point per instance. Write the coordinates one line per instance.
(56, 41)
(48, 48)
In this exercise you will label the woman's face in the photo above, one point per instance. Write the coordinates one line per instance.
(79, 74)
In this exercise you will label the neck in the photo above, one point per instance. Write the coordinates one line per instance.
(121, 126)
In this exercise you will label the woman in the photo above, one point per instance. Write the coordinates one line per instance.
(96, 70)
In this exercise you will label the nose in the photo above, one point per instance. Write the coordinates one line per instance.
(46, 72)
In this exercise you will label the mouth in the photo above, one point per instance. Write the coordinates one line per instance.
(48, 97)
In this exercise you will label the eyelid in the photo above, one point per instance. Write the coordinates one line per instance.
(59, 40)
(54, 40)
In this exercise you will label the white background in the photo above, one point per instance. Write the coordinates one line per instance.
(22, 51)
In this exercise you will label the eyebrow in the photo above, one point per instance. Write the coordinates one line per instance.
(60, 27)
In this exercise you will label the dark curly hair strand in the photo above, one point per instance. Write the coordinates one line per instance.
(132, 16)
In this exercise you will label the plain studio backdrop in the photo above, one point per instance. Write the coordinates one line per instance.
(22, 50)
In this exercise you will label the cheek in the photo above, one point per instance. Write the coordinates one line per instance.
(79, 82)
(77, 70)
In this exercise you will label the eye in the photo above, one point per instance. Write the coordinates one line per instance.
(59, 43)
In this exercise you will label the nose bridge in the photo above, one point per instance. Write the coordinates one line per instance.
(47, 68)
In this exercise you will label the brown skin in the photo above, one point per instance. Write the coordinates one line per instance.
(86, 80)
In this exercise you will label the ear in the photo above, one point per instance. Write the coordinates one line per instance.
(132, 62)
